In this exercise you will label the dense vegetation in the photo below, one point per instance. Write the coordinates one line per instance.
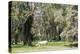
(32, 22)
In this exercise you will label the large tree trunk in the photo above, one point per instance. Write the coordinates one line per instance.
(27, 31)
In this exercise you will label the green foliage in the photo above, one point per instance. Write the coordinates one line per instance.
(50, 21)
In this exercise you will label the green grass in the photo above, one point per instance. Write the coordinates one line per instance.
(50, 46)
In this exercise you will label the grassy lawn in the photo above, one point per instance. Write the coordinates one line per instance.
(49, 47)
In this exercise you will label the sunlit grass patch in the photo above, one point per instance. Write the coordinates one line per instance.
(49, 46)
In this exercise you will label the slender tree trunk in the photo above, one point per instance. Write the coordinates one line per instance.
(16, 39)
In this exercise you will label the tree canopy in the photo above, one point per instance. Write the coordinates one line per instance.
(51, 22)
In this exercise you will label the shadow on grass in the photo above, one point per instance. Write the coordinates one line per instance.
(20, 45)
(16, 46)
(72, 45)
